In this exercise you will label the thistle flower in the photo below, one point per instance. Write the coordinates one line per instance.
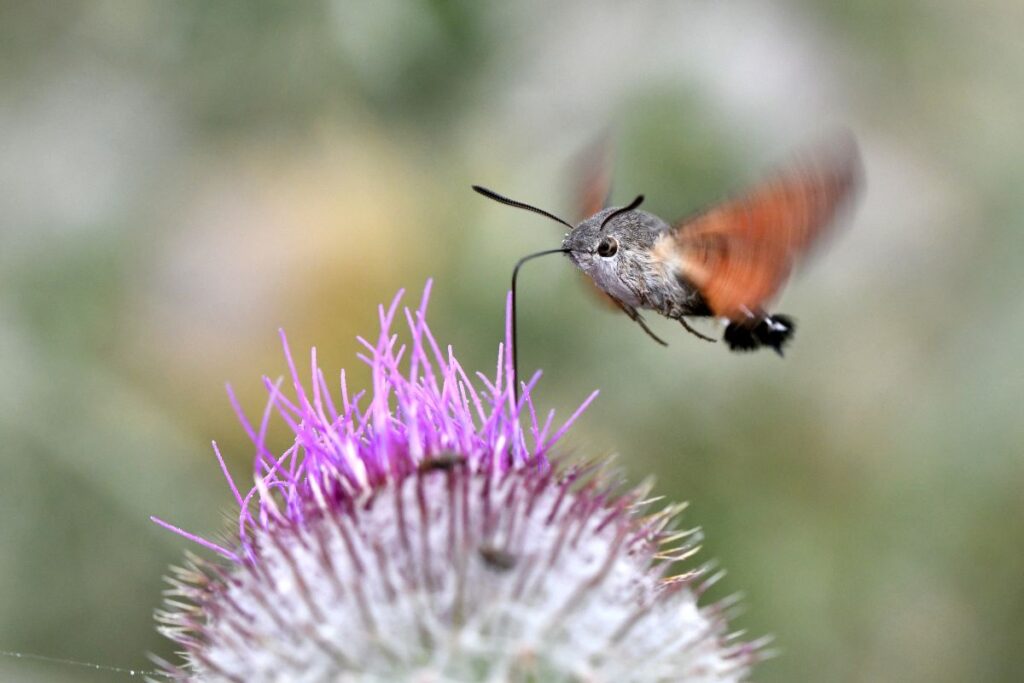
(422, 534)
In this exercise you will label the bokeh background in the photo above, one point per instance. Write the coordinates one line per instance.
(179, 179)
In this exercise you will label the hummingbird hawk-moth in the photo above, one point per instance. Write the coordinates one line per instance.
(728, 262)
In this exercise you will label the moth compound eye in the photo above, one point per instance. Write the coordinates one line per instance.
(607, 247)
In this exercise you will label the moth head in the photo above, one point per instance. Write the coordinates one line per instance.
(608, 234)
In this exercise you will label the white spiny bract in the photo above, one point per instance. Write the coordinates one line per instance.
(428, 538)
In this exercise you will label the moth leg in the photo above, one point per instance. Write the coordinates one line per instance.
(695, 333)
(635, 315)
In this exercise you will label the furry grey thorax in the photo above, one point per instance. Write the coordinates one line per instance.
(633, 274)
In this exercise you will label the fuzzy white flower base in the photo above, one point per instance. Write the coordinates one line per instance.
(464, 577)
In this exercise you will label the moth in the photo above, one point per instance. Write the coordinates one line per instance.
(727, 262)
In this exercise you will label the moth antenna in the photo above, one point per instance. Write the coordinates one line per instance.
(491, 194)
(515, 317)
(626, 209)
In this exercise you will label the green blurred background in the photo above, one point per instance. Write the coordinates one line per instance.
(181, 178)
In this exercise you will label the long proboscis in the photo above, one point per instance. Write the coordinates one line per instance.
(515, 316)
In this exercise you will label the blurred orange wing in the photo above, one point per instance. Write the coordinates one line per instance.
(595, 173)
(740, 253)
(594, 168)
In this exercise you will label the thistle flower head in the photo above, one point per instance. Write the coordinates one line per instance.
(420, 533)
